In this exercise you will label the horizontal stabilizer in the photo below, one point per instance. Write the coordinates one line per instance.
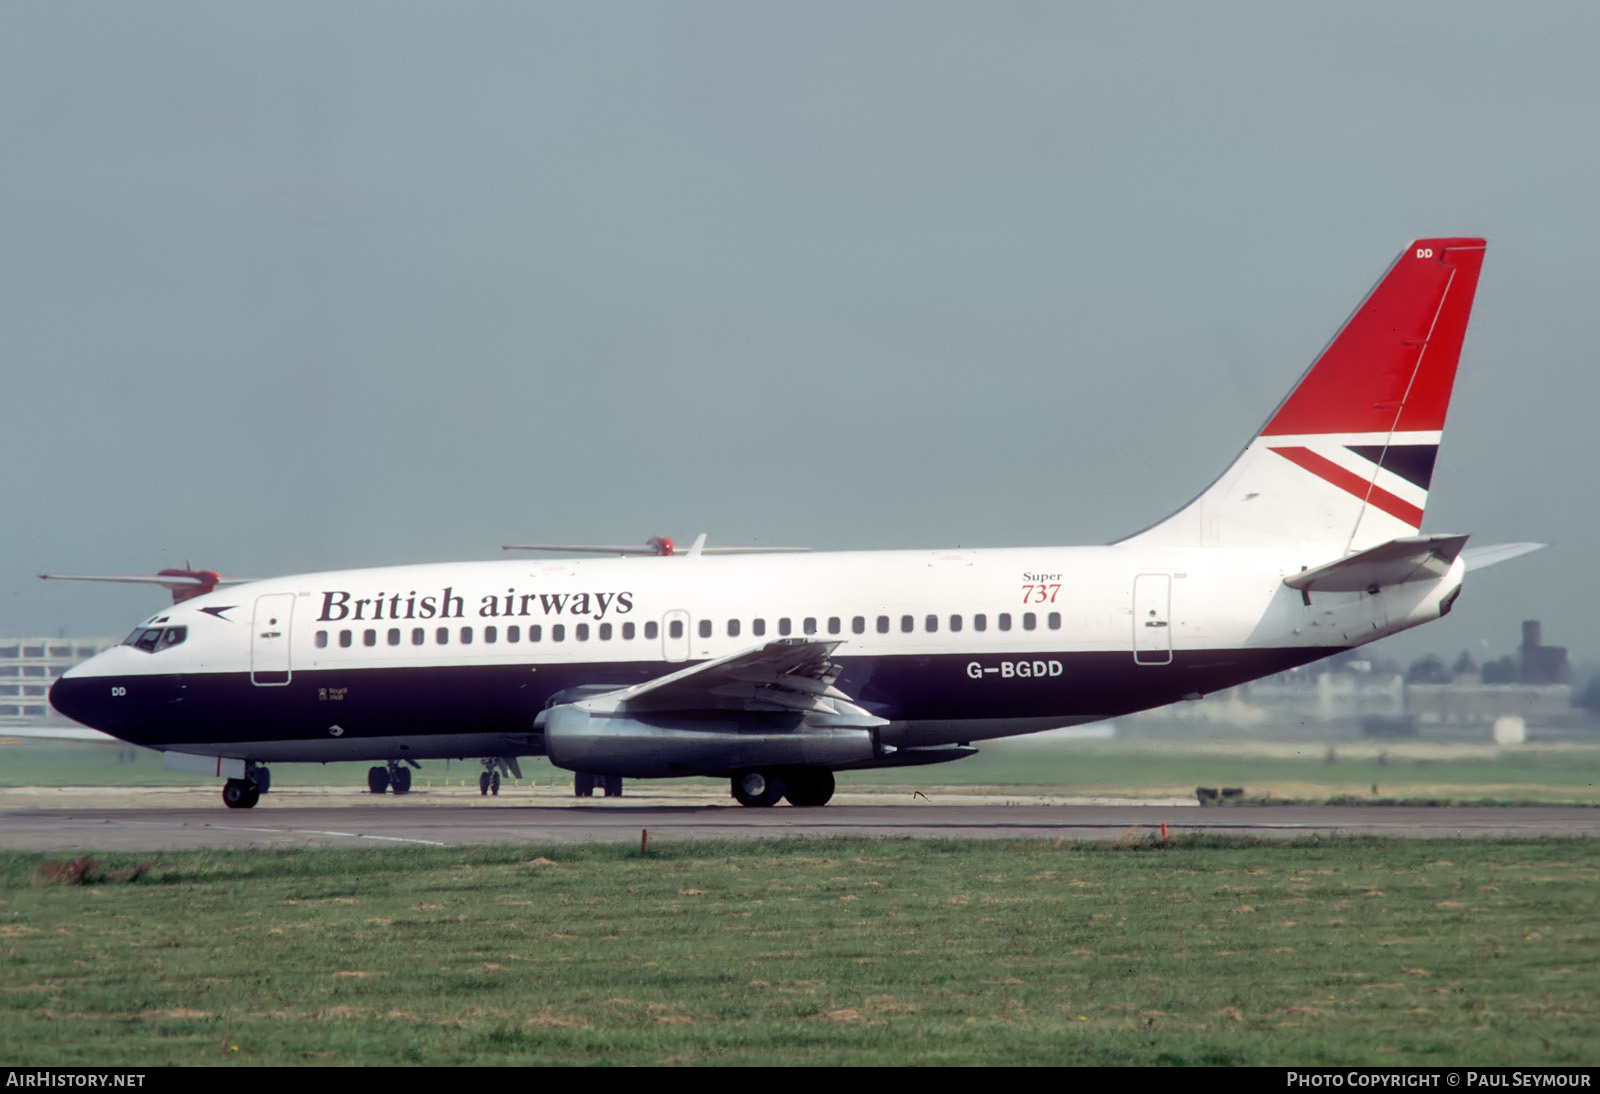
(1409, 558)
(1481, 558)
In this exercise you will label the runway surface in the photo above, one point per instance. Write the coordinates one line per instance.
(49, 820)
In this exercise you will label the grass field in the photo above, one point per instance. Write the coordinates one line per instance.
(1561, 772)
(811, 952)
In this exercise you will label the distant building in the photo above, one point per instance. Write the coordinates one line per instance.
(1541, 664)
(28, 666)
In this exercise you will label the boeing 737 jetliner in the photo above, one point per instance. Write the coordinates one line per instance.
(777, 670)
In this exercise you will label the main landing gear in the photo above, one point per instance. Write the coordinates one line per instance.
(246, 792)
(395, 776)
(489, 781)
(804, 786)
(584, 785)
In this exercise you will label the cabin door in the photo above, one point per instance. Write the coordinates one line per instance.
(1152, 619)
(269, 640)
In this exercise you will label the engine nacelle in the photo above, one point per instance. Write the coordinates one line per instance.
(605, 743)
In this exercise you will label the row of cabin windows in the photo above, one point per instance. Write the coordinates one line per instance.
(908, 624)
(605, 632)
(491, 634)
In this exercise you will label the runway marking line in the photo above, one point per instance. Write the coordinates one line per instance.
(319, 832)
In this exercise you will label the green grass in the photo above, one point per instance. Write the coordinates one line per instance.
(1564, 772)
(812, 952)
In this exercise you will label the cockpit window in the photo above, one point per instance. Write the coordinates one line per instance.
(156, 639)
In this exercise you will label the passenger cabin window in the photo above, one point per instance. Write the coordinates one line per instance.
(980, 622)
(833, 624)
(883, 624)
(733, 628)
(466, 636)
(581, 632)
(345, 640)
(627, 632)
(652, 629)
(858, 625)
(783, 627)
(535, 632)
(705, 628)
(394, 636)
(1004, 620)
(442, 636)
(675, 629)
(322, 640)
(907, 624)
(955, 622)
(558, 632)
(369, 637)
(514, 633)
(418, 636)
(811, 625)
(1029, 621)
(605, 632)
(491, 634)
(1054, 619)
(931, 624)
(758, 627)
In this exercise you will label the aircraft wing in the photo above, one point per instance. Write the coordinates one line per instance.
(170, 582)
(1409, 558)
(788, 675)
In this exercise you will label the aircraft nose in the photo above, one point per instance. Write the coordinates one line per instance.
(84, 699)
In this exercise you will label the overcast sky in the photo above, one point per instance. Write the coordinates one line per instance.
(305, 286)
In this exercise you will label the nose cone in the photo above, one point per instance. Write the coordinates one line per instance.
(83, 699)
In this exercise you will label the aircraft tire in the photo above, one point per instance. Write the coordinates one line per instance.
(494, 783)
(810, 786)
(400, 781)
(263, 779)
(758, 789)
(377, 779)
(483, 784)
(240, 794)
(612, 784)
(582, 785)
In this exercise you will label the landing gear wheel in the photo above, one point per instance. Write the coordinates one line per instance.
(260, 776)
(400, 780)
(612, 784)
(810, 786)
(377, 779)
(582, 785)
(494, 783)
(758, 788)
(240, 794)
(483, 784)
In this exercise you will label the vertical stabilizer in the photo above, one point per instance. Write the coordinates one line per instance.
(1345, 462)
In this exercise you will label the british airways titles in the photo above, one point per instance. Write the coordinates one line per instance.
(339, 605)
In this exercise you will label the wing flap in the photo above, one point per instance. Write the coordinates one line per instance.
(790, 675)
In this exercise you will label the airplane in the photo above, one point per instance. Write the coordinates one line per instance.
(777, 671)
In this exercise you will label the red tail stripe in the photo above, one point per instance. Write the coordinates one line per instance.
(1392, 364)
(1353, 484)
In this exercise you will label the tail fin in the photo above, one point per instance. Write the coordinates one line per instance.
(1345, 462)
